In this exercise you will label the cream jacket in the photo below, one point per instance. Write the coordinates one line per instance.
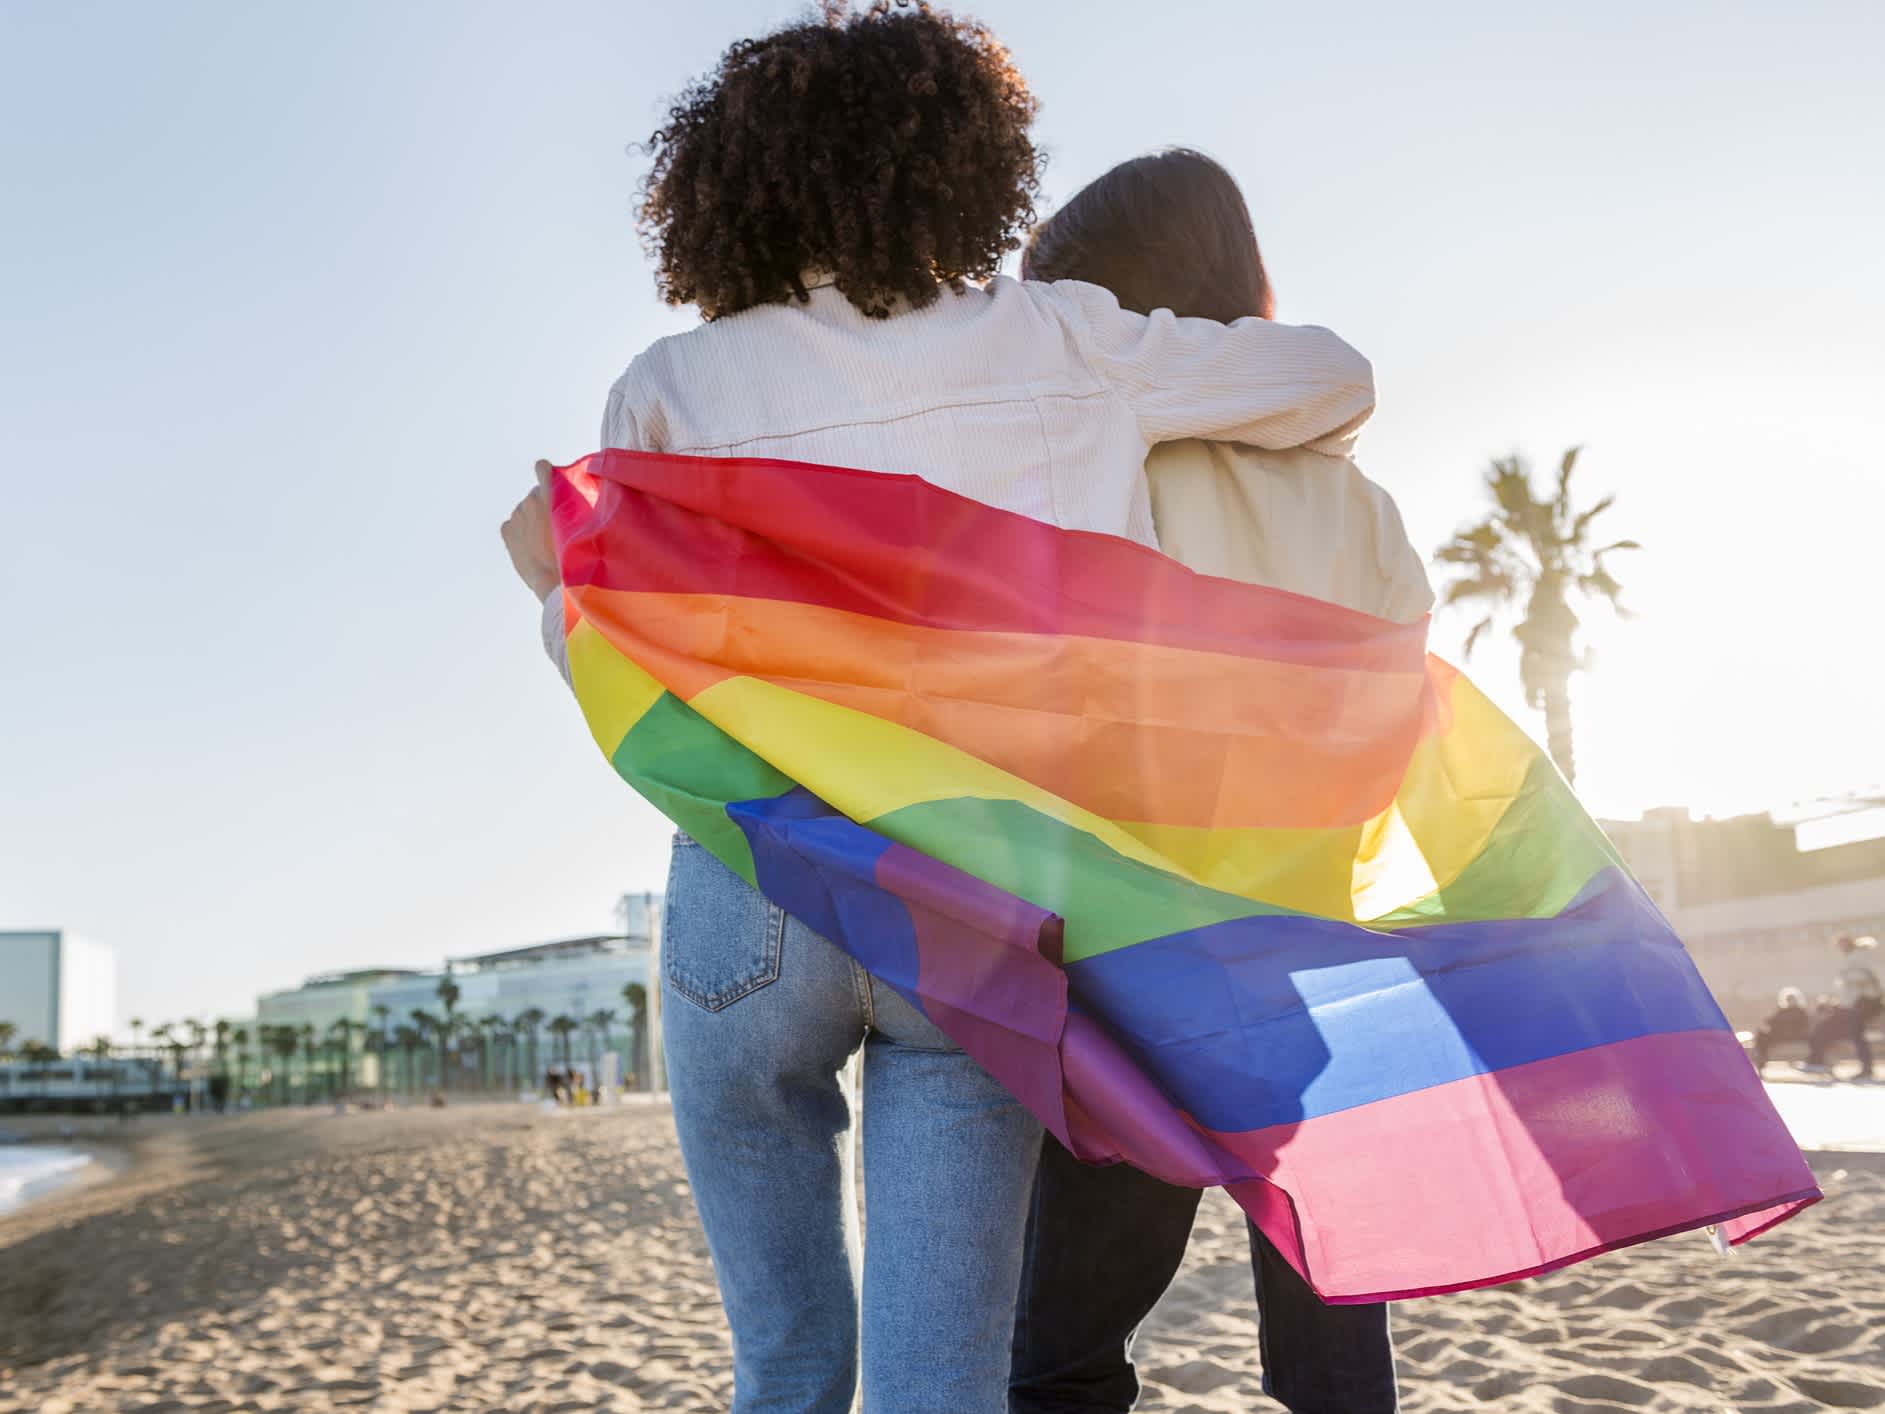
(1300, 520)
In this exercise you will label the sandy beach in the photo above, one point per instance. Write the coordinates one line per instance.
(498, 1258)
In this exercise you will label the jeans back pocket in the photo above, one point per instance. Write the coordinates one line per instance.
(721, 939)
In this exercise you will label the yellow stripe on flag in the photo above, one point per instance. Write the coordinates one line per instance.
(1448, 807)
(614, 693)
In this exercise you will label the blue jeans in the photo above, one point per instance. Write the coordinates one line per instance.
(761, 1017)
(1102, 1246)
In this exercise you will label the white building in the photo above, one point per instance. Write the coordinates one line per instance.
(578, 978)
(1756, 911)
(57, 988)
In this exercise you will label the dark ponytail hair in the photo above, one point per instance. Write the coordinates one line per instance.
(1166, 231)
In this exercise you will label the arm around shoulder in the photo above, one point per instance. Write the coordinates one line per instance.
(1252, 381)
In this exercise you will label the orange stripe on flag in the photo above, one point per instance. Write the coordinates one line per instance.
(1127, 730)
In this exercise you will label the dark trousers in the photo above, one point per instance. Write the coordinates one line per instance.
(1843, 1022)
(1787, 1024)
(1102, 1246)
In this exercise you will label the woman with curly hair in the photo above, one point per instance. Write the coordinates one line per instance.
(828, 198)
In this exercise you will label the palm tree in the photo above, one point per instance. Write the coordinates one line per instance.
(1533, 558)
(145, 1063)
(448, 998)
(430, 1027)
(306, 1032)
(409, 1039)
(600, 1021)
(100, 1051)
(341, 1032)
(239, 1038)
(527, 1022)
(488, 1034)
(381, 1013)
(374, 1043)
(283, 1041)
(636, 996)
(166, 1038)
(498, 1031)
(469, 1037)
(560, 1027)
(190, 1035)
(220, 1051)
(39, 1054)
(8, 1030)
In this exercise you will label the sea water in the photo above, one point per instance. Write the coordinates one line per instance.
(28, 1170)
(1829, 1115)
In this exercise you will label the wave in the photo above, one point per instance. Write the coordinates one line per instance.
(29, 1171)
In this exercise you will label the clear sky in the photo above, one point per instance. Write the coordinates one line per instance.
(294, 294)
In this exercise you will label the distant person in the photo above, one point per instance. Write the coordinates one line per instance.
(1789, 1021)
(1857, 1002)
(1171, 232)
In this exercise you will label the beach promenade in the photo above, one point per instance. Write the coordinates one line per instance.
(499, 1258)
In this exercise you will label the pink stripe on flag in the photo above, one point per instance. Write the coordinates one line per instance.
(1525, 1170)
(982, 976)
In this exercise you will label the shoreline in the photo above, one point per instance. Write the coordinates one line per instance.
(59, 1166)
(100, 1156)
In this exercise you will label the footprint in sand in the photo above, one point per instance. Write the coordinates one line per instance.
(1708, 1355)
(1421, 1351)
(1677, 1369)
(1611, 1390)
(1460, 1372)
(1785, 1328)
(1503, 1385)
(1827, 1337)
(1542, 1335)
(1623, 1296)
(1684, 1310)
(1195, 1376)
(1840, 1393)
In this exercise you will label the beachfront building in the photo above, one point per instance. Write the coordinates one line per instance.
(576, 978)
(503, 1008)
(331, 996)
(57, 988)
(1756, 911)
(311, 1012)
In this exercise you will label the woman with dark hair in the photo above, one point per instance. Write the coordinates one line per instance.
(825, 198)
(1171, 232)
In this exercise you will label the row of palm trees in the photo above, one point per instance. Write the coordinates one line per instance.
(31, 1051)
(494, 1051)
(413, 1055)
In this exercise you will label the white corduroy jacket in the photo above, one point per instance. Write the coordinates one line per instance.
(1042, 399)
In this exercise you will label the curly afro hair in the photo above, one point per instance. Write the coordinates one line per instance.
(887, 150)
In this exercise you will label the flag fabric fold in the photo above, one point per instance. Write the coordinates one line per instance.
(1240, 887)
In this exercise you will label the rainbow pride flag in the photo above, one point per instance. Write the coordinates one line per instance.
(1236, 886)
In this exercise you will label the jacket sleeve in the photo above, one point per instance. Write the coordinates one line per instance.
(618, 430)
(1252, 381)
